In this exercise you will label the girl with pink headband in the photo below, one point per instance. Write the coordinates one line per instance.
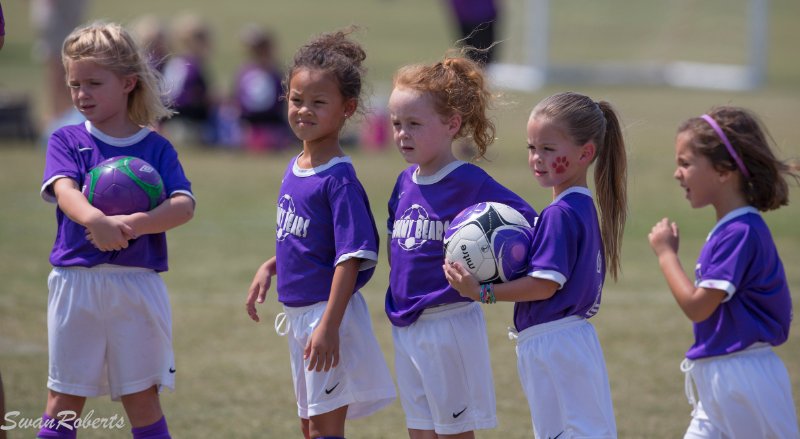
(739, 302)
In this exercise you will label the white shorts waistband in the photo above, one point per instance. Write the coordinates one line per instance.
(282, 325)
(753, 349)
(107, 268)
(298, 310)
(445, 310)
(543, 328)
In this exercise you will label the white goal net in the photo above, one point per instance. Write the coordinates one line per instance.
(715, 44)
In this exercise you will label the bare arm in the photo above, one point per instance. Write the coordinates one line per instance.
(106, 233)
(697, 303)
(173, 212)
(322, 349)
(259, 287)
(524, 289)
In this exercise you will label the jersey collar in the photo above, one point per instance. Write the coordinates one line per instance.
(117, 141)
(438, 176)
(301, 172)
(730, 216)
(573, 190)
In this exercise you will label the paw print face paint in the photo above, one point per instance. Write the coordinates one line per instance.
(560, 165)
(553, 157)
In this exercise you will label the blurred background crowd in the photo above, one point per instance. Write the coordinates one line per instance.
(245, 112)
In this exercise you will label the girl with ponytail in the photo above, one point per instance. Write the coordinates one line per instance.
(560, 361)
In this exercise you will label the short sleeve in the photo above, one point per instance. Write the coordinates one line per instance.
(60, 162)
(172, 173)
(728, 260)
(353, 227)
(555, 246)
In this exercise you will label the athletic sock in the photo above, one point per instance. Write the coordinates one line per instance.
(53, 429)
(156, 430)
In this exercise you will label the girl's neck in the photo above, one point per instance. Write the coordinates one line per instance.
(435, 165)
(313, 156)
(580, 180)
(726, 205)
(120, 128)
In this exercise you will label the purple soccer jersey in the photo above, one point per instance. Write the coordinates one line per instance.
(420, 211)
(740, 258)
(2, 22)
(323, 219)
(75, 149)
(567, 249)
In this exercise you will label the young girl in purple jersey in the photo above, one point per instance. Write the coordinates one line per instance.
(740, 303)
(108, 314)
(326, 249)
(441, 348)
(559, 358)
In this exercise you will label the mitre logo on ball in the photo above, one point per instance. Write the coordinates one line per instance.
(491, 240)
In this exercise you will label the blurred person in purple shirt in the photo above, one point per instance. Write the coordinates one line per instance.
(258, 94)
(188, 83)
(477, 24)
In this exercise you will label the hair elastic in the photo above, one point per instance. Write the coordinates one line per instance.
(727, 143)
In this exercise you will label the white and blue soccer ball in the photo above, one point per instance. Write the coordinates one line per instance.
(491, 240)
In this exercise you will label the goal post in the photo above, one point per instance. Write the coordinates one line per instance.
(536, 70)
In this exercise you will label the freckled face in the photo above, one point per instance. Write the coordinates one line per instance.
(553, 157)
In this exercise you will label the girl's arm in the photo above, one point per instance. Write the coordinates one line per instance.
(322, 349)
(697, 303)
(106, 233)
(173, 212)
(259, 287)
(524, 289)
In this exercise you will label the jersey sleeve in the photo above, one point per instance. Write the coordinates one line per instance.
(172, 174)
(354, 229)
(60, 162)
(730, 256)
(555, 246)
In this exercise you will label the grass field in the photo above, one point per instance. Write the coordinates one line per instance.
(234, 379)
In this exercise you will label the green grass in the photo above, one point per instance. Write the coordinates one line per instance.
(234, 374)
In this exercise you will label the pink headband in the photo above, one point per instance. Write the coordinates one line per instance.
(727, 143)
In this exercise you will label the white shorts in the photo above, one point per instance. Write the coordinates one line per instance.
(109, 330)
(746, 394)
(360, 381)
(443, 370)
(564, 377)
